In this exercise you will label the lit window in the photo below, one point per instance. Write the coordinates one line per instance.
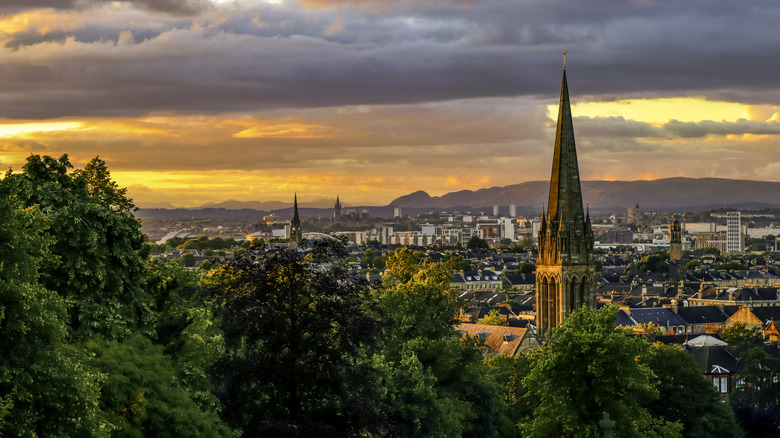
(721, 384)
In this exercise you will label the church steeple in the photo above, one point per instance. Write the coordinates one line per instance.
(565, 192)
(337, 209)
(565, 274)
(567, 238)
(296, 235)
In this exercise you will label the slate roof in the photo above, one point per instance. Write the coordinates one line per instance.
(659, 316)
(714, 360)
(766, 314)
(702, 315)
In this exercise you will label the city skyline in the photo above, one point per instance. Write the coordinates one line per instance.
(192, 101)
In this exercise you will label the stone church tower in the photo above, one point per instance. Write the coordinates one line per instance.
(675, 242)
(565, 272)
(337, 210)
(296, 234)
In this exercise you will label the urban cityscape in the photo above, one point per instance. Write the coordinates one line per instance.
(295, 218)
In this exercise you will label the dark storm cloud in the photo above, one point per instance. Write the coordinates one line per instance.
(176, 7)
(382, 52)
(708, 127)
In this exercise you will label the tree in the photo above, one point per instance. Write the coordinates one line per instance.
(494, 318)
(98, 245)
(140, 397)
(187, 259)
(655, 262)
(455, 262)
(435, 383)
(740, 334)
(45, 390)
(756, 400)
(692, 265)
(185, 328)
(732, 266)
(477, 242)
(526, 268)
(589, 367)
(293, 338)
(685, 396)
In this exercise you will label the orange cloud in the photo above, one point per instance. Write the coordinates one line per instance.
(287, 130)
(41, 22)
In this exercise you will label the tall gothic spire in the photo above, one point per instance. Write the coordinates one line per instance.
(296, 234)
(565, 273)
(295, 218)
(565, 201)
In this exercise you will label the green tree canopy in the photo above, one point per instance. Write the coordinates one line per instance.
(477, 242)
(435, 383)
(293, 337)
(98, 247)
(741, 334)
(685, 396)
(494, 318)
(45, 390)
(590, 367)
(655, 262)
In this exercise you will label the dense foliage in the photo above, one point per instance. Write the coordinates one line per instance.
(99, 340)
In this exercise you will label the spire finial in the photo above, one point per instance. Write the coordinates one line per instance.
(564, 60)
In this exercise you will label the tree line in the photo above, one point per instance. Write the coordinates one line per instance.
(100, 340)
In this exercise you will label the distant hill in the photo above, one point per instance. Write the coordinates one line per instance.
(660, 194)
(232, 204)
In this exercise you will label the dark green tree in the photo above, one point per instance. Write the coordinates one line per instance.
(45, 390)
(294, 341)
(588, 368)
(756, 400)
(732, 266)
(494, 318)
(739, 334)
(655, 262)
(140, 396)
(98, 247)
(477, 242)
(685, 396)
(435, 383)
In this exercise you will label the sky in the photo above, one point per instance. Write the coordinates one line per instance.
(198, 101)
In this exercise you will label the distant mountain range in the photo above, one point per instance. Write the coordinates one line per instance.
(659, 194)
(668, 194)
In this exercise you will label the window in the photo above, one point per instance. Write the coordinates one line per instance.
(721, 384)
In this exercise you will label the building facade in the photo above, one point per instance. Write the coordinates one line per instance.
(675, 242)
(565, 272)
(734, 232)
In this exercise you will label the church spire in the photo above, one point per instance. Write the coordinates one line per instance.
(296, 234)
(565, 201)
(565, 274)
(295, 209)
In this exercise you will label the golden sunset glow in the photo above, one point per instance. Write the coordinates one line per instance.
(660, 111)
(20, 129)
(289, 130)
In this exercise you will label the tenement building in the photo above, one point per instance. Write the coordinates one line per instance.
(565, 273)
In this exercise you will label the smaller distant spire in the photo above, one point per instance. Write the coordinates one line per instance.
(295, 208)
(296, 234)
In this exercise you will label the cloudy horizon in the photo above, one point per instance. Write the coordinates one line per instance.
(197, 101)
